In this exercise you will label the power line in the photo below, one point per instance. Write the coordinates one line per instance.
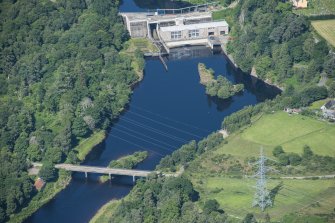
(166, 125)
(173, 120)
(153, 130)
(143, 135)
(143, 140)
(135, 144)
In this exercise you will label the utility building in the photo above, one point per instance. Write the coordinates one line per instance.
(194, 31)
(168, 28)
(175, 30)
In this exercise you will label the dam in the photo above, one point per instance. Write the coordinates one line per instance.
(170, 28)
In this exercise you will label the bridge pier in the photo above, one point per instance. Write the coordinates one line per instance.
(110, 176)
(86, 175)
(133, 179)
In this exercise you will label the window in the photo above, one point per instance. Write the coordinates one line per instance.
(176, 35)
(222, 32)
(193, 33)
(210, 33)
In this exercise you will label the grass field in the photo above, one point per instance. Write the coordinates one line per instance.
(105, 212)
(86, 145)
(292, 132)
(326, 28)
(306, 199)
(302, 196)
(318, 7)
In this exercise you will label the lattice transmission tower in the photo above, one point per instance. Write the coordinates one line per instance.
(262, 198)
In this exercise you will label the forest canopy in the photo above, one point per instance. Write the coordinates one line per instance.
(278, 44)
(61, 79)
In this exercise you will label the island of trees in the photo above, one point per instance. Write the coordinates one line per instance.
(220, 87)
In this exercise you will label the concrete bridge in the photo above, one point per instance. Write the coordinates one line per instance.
(104, 170)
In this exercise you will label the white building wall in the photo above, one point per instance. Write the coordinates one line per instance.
(203, 33)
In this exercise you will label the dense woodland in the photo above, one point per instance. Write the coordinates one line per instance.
(279, 44)
(166, 200)
(61, 78)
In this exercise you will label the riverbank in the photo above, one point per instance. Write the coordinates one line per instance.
(135, 49)
(86, 145)
(53, 188)
(43, 197)
(105, 213)
(226, 182)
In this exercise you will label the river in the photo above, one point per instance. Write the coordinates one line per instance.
(167, 109)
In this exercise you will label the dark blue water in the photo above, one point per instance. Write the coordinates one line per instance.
(167, 110)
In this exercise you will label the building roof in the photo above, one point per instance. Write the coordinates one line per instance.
(39, 183)
(330, 104)
(194, 26)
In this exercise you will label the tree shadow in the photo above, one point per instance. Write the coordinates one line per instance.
(273, 192)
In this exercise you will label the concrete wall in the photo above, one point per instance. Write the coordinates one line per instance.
(138, 29)
(203, 33)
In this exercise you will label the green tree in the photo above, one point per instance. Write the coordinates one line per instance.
(283, 159)
(278, 150)
(331, 90)
(249, 218)
(79, 127)
(210, 206)
(307, 153)
(294, 159)
(48, 171)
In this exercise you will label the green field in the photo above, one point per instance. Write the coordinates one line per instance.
(292, 132)
(302, 196)
(326, 28)
(318, 7)
(85, 146)
(105, 212)
(235, 192)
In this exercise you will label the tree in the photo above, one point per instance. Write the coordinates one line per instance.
(294, 159)
(210, 206)
(79, 127)
(283, 159)
(307, 153)
(277, 151)
(331, 90)
(48, 171)
(249, 218)
(329, 66)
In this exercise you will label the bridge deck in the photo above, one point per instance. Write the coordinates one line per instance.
(103, 170)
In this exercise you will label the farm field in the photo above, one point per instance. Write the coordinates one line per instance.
(301, 196)
(292, 132)
(326, 28)
(296, 200)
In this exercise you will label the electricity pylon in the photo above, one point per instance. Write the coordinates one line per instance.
(262, 198)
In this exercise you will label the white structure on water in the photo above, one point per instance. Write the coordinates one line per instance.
(174, 30)
(182, 31)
